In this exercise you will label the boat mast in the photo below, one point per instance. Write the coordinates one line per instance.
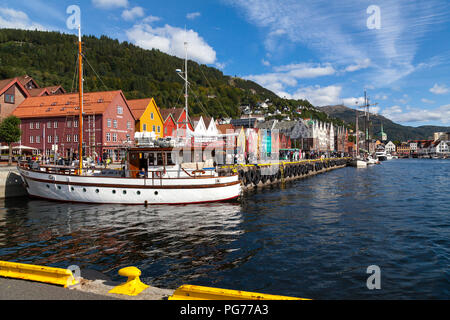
(186, 86)
(80, 91)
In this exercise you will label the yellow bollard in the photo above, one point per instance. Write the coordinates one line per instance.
(133, 286)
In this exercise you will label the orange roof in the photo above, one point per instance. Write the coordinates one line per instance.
(38, 92)
(138, 106)
(65, 104)
(224, 127)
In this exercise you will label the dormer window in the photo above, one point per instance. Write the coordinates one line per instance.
(9, 98)
(119, 110)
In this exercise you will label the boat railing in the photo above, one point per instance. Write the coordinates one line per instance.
(165, 173)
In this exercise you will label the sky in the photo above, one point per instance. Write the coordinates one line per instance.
(326, 51)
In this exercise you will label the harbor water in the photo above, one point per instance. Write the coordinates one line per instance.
(312, 238)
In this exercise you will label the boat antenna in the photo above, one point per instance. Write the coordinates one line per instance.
(80, 91)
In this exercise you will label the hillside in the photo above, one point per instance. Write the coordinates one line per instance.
(394, 131)
(50, 58)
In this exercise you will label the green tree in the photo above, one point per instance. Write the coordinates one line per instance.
(10, 132)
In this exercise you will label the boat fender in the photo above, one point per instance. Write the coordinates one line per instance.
(264, 178)
(256, 177)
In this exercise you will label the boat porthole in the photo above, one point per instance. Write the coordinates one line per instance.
(156, 193)
(59, 187)
(138, 192)
(48, 186)
(84, 189)
(97, 191)
(72, 188)
(114, 191)
(124, 192)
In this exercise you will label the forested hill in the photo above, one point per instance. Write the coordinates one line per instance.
(50, 58)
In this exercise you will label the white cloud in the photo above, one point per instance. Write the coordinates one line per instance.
(319, 96)
(132, 14)
(359, 65)
(150, 19)
(306, 70)
(415, 115)
(352, 102)
(427, 101)
(110, 4)
(288, 75)
(337, 31)
(265, 62)
(439, 89)
(171, 40)
(15, 19)
(193, 15)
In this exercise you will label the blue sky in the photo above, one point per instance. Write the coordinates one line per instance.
(326, 51)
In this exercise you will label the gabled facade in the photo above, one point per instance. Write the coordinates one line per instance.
(51, 124)
(12, 94)
(170, 126)
(147, 116)
(390, 147)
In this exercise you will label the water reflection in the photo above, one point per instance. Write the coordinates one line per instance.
(107, 237)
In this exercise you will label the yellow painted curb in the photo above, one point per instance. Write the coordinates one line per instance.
(133, 286)
(192, 292)
(63, 277)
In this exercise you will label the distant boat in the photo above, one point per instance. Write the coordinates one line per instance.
(381, 156)
(371, 160)
(358, 163)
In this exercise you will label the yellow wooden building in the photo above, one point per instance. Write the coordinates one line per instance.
(147, 116)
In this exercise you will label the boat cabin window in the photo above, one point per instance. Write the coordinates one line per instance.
(170, 162)
(159, 158)
(151, 159)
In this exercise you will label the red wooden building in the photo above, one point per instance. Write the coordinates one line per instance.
(175, 119)
(50, 124)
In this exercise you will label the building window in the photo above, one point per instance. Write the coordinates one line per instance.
(55, 124)
(154, 129)
(151, 115)
(108, 137)
(159, 129)
(68, 138)
(38, 125)
(108, 123)
(165, 130)
(119, 110)
(31, 125)
(144, 127)
(9, 98)
(128, 138)
(56, 139)
(75, 138)
(31, 139)
(75, 123)
(69, 124)
(129, 125)
(49, 139)
(38, 139)
(115, 124)
(114, 137)
(49, 125)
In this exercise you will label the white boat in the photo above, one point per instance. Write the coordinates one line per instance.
(152, 175)
(163, 183)
(381, 155)
(371, 161)
(358, 163)
(389, 156)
